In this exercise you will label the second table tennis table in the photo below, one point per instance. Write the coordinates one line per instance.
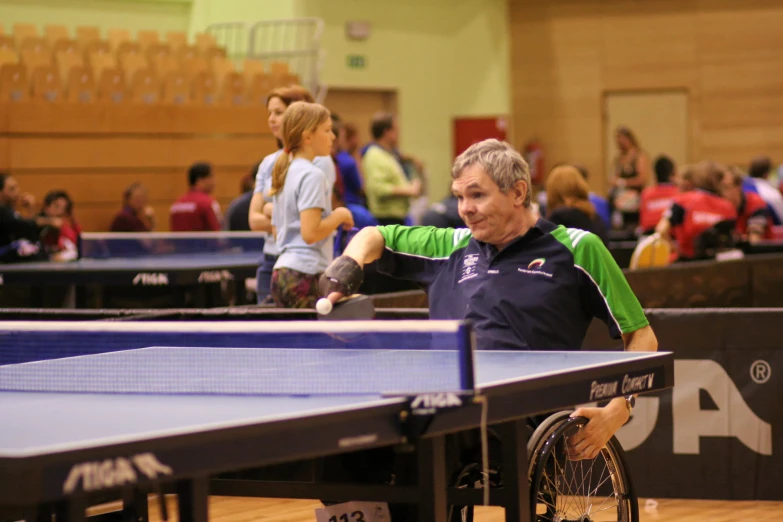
(124, 270)
(91, 410)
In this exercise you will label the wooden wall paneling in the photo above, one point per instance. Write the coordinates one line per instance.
(106, 186)
(221, 120)
(238, 151)
(3, 153)
(725, 53)
(44, 153)
(4, 106)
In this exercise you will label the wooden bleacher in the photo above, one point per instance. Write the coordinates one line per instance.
(91, 113)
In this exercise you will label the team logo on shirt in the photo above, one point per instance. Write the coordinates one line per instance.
(469, 267)
(534, 267)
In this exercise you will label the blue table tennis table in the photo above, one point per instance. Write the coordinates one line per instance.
(96, 411)
(143, 264)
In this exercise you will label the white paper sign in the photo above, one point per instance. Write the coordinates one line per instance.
(354, 512)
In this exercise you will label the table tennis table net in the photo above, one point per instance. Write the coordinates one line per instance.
(114, 245)
(272, 358)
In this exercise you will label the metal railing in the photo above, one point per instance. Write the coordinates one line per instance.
(295, 42)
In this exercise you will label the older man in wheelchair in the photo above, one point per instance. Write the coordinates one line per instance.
(525, 283)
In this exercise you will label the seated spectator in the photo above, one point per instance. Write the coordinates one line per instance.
(389, 192)
(658, 198)
(239, 209)
(600, 203)
(753, 219)
(698, 212)
(758, 183)
(567, 202)
(197, 210)
(62, 244)
(20, 238)
(136, 215)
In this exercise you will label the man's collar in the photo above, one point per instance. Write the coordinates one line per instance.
(541, 227)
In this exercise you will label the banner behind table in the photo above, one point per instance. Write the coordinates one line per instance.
(718, 434)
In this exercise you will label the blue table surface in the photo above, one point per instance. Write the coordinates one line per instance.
(214, 261)
(43, 422)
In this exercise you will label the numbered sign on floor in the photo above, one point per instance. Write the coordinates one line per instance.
(354, 512)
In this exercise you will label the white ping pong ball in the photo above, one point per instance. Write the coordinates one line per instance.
(323, 306)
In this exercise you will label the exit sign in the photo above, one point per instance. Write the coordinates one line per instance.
(356, 61)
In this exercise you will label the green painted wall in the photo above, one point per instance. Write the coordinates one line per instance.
(445, 58)
(163, 15)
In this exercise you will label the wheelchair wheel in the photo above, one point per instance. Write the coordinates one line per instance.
(563, 490)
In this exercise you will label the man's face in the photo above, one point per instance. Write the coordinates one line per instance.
(10, 192)
(392, 134)
(488, 212)
(207, 185)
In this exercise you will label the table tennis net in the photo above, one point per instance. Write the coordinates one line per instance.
(238, 358)
(112, 245)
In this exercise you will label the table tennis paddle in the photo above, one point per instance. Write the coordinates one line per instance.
(353, 307)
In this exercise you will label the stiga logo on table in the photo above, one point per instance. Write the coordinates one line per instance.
(151, 279)
(431, 402)
(114, 472)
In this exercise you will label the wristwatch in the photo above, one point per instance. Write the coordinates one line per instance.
(630, 402)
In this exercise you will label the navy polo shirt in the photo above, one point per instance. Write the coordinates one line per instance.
(539, 293)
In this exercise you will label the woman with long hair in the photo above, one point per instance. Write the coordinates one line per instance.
(632, 172)
(568, 202)
(277, 103)
(302, 217)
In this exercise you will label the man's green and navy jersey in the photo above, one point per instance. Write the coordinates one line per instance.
(539, 293)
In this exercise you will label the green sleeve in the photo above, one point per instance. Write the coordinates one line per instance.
(607, 293)
(427, 242)
(419, 253)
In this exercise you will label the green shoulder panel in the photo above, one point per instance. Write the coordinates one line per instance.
(427, 242)
(595, 260)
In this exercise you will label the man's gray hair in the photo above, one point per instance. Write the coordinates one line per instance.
(499, 160)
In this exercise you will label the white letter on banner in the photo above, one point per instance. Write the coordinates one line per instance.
(733, 418)
(642, 423)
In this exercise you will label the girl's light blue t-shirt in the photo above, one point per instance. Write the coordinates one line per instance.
(306, 187)
(264, 185)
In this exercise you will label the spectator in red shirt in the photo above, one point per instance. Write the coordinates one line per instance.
(698, 214)
(60, 244)
(754, 222)
(658, 198)
(197, 211)
(136, 215)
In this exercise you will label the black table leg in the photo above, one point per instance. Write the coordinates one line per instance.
(513, 437)
(193, 499)
(432, 479)
(71, 510)
(135, 506)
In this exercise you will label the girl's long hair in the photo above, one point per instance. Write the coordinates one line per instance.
(299, 117)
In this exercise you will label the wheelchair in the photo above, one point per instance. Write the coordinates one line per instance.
(562, 490)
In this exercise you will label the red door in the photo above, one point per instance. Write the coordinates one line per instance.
(468, 131)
